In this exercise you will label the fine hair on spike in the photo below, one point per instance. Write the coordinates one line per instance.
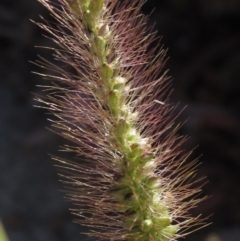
(130, 179)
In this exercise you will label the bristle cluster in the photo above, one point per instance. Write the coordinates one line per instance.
(132, 183)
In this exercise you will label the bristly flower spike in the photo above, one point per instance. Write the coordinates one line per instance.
(133, 183)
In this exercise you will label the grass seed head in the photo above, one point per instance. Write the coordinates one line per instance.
(132, 183)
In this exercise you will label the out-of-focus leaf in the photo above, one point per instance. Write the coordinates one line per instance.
(3, 235)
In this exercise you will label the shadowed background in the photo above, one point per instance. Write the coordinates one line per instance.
(203, 38)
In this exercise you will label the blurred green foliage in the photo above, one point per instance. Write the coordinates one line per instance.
(3, 235)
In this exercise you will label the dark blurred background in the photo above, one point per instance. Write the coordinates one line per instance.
(203, 38)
